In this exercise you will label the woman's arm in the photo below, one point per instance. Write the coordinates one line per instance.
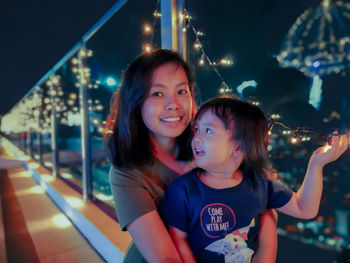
(152, 239)
(306, 202)
(182, 245)
(267, 247)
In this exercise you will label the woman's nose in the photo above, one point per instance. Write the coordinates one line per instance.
(172, 103)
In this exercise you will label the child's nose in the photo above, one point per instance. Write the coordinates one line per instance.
(197, 138)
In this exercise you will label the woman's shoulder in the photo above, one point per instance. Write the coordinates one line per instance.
(119, 174)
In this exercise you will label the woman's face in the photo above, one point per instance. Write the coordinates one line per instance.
(167, 108)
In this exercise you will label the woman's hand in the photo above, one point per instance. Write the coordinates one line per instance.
(267, 246)
(153, 239)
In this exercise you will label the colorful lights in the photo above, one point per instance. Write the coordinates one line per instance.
(201, 61)
(326, 148)
(197, 45)
(111, 82)
(246, 84)
(225, 62)
(315, 43)
(147, 29)
(293, 140)
(74, 61)
(157, 14)
(147, 48)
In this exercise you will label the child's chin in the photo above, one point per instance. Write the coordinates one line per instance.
(199, 164)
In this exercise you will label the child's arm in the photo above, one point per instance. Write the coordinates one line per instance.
(181, 244)
(267, 245)
(306, 202)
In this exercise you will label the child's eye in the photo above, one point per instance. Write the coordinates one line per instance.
(182, 92)
(157, 94)
(207, 130)
(195, 129)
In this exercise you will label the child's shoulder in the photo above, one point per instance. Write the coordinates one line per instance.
(187, 178)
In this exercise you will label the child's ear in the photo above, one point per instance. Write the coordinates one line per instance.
(237, 150)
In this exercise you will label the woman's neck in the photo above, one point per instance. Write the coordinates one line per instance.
(166, 155)
(163, 146)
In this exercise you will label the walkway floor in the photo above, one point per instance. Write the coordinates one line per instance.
(32, 228)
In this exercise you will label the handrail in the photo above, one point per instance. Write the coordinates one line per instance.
(76, 47)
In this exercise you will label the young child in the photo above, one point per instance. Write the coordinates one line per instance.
(214, 211)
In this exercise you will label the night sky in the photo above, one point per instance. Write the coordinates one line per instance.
(37, 34)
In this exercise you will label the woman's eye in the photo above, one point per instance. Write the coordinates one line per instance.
(157, 94)
(183, 91)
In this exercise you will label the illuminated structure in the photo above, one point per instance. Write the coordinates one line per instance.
(318, 43)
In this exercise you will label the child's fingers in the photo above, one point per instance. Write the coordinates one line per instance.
(331, 152)
(344, 143)
(332, 144)
(339, 145)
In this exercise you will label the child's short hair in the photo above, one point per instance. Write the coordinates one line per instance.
(249, 127)
(126, 136)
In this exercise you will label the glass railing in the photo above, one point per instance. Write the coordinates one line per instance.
(239, 58)
(231, 52)
(95, 63)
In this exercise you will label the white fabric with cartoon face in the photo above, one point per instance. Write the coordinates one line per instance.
(233, 246)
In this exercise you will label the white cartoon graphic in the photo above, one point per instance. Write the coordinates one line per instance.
(233, 246)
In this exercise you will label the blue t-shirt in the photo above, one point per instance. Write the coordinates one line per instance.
(222, 225)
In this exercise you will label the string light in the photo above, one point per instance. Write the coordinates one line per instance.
(82, 53)
(33, 108)
(74, 61)
(157, 14)
(224, 87)
(225, 62)
(147, 48)
(197, 45)
(147, 29)
(201, 61)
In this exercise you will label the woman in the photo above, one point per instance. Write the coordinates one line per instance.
(149, 147)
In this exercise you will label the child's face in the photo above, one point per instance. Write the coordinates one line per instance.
(167, 108)
(212, 144)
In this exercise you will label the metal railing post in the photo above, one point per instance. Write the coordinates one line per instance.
(85, 127)
(54, 148)
(40, 147)
(30, 142)
(172, 34)
(23, 141)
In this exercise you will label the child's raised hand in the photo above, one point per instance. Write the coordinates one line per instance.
(331, 151)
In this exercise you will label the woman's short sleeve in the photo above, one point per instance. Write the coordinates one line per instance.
(131, 197)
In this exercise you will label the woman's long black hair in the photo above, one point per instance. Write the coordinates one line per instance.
(126, 136)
